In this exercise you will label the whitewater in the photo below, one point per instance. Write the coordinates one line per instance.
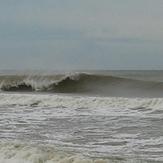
(80, 118)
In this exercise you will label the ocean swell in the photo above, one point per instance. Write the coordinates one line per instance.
(82, 83)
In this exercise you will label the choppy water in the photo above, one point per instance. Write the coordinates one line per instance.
(93, 127)
(37, 127)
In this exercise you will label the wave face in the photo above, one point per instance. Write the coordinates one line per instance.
(82, 83)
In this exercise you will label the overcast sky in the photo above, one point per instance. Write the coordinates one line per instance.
(81, 34)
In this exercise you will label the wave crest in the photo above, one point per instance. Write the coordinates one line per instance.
(82, 83)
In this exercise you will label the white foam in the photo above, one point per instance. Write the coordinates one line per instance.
(88, 125)
(18, 153)
(51, 100)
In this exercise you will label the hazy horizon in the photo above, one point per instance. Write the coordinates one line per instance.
(74, 35)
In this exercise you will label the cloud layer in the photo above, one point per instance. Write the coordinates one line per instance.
(87, 34)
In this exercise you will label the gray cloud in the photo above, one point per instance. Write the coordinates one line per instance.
(106, 34)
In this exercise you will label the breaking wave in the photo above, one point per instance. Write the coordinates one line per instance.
(82, 83)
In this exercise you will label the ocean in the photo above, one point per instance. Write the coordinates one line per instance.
(81, 117)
